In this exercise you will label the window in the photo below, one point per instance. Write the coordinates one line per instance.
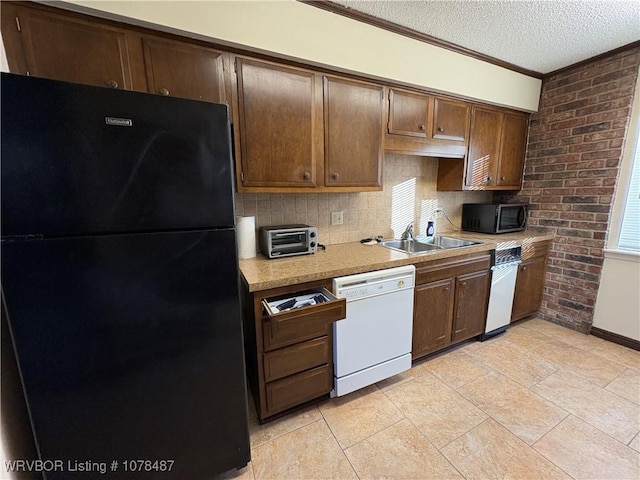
(629, 238)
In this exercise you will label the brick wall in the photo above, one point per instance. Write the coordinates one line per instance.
(571, 171)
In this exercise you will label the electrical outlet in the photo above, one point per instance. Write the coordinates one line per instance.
(439, 212)
(337, 218)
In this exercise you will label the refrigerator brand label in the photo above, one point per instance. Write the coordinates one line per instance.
(119, 122)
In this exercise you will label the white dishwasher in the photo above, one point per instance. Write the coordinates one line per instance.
(373, 342)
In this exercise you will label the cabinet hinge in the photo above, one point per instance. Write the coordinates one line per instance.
(18, 24)
(235, 65)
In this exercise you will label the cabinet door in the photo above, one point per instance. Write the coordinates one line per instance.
(353, 118)
(182, 70)
(450, 119)
(280, 121)
(472, 295)
(484, 148)
(408, 113)
(432, 316)
(72, 50)
(529, 288)
(513, 146)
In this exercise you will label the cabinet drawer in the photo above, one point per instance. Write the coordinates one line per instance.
(297, 389)
(293, 326)
(296, 358)
(435, 271)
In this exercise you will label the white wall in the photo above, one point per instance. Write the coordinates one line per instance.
(291, 28)
(617, 307)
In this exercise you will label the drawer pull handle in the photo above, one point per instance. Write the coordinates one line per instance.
(335, 176)
(306, 175)
(440, 129)
(422, 127)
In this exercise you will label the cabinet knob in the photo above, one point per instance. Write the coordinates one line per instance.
(422, 127)
(446, 289)
(112, 84)
(335, 175)
(524, 268)
(440, 129)
(502, 177)
(306, 175)
(489, 178)
(164, 92)
(464, 284)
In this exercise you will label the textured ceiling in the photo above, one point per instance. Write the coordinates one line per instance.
(539, 35)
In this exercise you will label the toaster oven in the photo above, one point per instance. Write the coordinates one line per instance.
(287, 240)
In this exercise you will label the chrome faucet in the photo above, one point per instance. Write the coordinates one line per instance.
(408, 233)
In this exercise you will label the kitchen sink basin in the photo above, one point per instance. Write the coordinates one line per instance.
(422, 245)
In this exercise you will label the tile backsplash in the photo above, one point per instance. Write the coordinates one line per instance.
(409, 194)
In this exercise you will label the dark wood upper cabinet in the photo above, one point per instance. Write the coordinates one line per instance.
(408, 113)
(182, 70)
(513, 146)
(497, 143)
(426, 125)
(484, 148)
(280, 122)
(450, 119)
(353, 122)
(45, 44)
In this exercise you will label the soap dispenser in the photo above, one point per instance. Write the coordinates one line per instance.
(431, 227)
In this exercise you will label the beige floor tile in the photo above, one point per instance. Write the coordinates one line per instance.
(579, 362)
(604, 410)
(245, 473)
(490, 451)
(515, 362)
(585, 452)
(417, 370)
(524, 413)
(401, 452)
(308, 452)
(438, 411)
(526, 338)
(260, 434)
(566, 335)
(619, 354)
(635, 443)
(457, 368)
(359, 415)
(627, 385)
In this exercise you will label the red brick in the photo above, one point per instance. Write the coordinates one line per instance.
(594, 137)
(613, 153)
(616, 143)
(587, 164)
(600, 68)
(615, 75)
(557, 117)
(611, 115)
(605, 87)
(589, 147)
(584, 182)
(595, 191)
(549, 99)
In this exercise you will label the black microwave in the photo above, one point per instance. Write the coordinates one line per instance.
(494, 217)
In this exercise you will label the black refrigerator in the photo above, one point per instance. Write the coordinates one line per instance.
(120, 280)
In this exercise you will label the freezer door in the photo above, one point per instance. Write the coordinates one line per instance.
(83, 159)
(130, 347)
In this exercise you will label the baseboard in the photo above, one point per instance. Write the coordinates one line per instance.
(615, 338)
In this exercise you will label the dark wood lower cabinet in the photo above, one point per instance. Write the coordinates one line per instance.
(289, 355)
(530, 281)
(450, 302)
(433, 308)
(472, 293)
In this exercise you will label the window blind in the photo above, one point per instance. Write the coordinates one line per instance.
(630, 231)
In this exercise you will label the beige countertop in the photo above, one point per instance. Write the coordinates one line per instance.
(342, 259)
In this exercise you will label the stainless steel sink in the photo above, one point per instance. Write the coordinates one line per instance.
(422, 245)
